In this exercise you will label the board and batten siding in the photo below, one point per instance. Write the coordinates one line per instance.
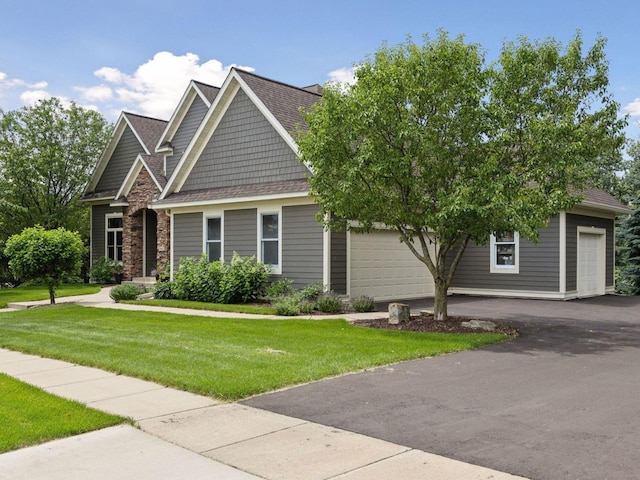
(539, 265)
(185, 132)
(573, 222)
(187, 236)
(244, 149)
(338, 276)
(99, 229)
(120, 162)
(240, 233)
(302, 245)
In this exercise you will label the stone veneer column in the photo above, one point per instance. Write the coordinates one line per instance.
(163, 240)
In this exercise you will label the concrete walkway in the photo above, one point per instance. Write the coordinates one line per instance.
(182, 435)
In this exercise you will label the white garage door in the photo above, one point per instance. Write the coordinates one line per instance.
(384, 268)
(591, 264)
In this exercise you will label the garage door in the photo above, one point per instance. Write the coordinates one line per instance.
(384, 268)
(591, 264)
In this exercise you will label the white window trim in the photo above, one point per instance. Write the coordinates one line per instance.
(205, 233)
(494, 267)
(107, 230)
(275, 269)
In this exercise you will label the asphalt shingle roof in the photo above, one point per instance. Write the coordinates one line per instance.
(282, 100)
(209, 91)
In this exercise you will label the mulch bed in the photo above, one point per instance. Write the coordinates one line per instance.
(426, 323)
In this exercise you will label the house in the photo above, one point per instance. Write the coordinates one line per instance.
(222, 176)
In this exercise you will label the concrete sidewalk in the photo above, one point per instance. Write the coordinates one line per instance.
(182, 435)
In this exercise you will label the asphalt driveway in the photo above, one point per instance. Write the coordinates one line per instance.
(560, 402)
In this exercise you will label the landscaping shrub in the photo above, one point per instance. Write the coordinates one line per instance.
(329, 303)
(279, 288)
(126, 292)
(200, 280)
(245, 279)
(305, 306)
(363, 303)
(104, 270)
(312, 291)
(287, 306)
(164, 291)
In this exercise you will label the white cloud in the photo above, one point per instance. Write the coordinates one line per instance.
(633, 108)
(156, 86)
(99, 93)
(343, 75)
(30, 97)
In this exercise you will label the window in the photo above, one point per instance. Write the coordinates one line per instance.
(270, 238)
(114, 237)
(214, 239)
(505, 252)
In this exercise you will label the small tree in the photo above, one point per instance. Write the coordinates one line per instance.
(628, 237)
(45, 255)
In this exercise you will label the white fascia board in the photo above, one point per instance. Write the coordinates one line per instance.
(133, 173)
(223, 201)
(118, 130)
(201, 137)
(180, 112)
(606, 208)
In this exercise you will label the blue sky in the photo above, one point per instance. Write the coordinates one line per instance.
(139, 55)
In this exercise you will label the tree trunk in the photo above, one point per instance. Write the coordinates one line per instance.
(52, 294)
(440, 301)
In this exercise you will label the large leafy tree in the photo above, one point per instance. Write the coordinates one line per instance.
(47, 152)
(444, 148)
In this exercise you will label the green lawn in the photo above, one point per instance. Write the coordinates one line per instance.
(29, 294)
(224, 358)
(215, 307)
(31, 416)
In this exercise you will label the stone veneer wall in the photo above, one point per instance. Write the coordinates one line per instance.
(142, 192)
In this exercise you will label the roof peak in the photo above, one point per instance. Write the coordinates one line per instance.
(267, 79)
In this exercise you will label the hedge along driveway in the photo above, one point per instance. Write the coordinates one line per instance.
(221, 357)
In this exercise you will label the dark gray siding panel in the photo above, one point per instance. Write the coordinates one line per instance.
(120, 162)
(187, 236)
(339, 262)
(539, 265)
(302, 245)
(244, 149)
(575, 221)
(98, 229)
(240, 232)
(185, 132)
(151, 241)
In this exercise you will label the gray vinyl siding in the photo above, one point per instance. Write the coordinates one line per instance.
(240, 232)
(575, 221)
(98, 229)
(302, 245)
(339, 262)
(120, 162)
(244, 149)
(539, 265)
(185, 132)
(151, 243)
(187, 236)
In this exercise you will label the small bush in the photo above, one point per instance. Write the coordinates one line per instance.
(287, 306)
(126, 292)
(279, 288)
(305, 306)
(329, 303)
(363, 303)
(200, 280)
(104, 270)
(245, 279)
(312, 291)
(164, 291)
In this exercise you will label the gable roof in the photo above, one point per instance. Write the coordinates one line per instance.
(206, 93)
(147, 130)
(278, 102)
(598, 198)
